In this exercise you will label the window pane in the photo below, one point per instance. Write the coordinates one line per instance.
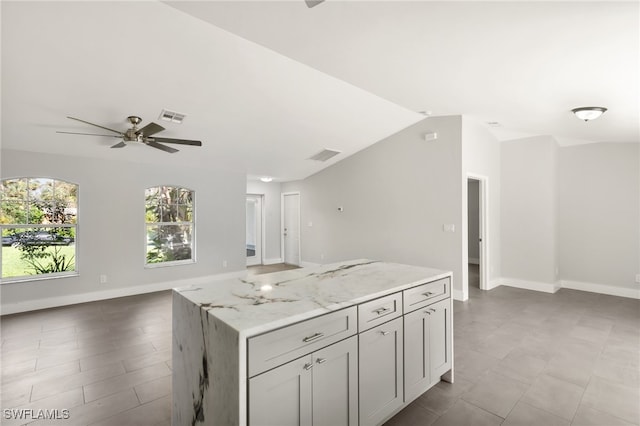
(14, 189)
(13, 212)
(166, 243)
(35, 251)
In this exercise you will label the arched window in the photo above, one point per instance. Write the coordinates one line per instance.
(170, 225)
(39, 220)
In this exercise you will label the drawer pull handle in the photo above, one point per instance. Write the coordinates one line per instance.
(432, 310)
(381, 310)
(428, 294)
(321, 360)
(427, 312)
(313, 337)
(308, 366)
(384, 333)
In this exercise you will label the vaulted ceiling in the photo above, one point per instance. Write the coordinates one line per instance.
(265, 85)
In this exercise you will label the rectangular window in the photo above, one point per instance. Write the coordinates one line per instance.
(170, 225)
(38, 219)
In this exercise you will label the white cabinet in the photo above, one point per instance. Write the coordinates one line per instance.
(427, 351)
(318, 389)
(381, 377)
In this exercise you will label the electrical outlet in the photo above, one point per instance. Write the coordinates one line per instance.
(638, 278)
(103, 279)
(321, 256)
(224, 263)
(449, 227)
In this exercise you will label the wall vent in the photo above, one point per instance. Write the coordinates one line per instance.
(324, 155)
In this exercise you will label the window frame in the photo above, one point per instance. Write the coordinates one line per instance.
(76, 255)
(191, 223)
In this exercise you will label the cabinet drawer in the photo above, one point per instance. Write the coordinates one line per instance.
(277, 347)
(424, 294)
(379, 311)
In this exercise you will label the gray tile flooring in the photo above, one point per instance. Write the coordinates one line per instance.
(521, 358)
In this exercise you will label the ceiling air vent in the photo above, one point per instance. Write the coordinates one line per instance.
(324, 155)
(174, 117)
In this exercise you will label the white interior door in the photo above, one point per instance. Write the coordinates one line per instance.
(254, 230)
(291, 228)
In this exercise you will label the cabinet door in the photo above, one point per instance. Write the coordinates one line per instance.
(439, 338)
(380, 363)
(282, 396)
(335, 384)
(416, 354)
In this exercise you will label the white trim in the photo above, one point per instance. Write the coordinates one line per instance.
(71, 299)
(459, 295)
(309, 264)
(632, 293)
(282, 195)
(529, 285)
(494, 283)
(272, 261)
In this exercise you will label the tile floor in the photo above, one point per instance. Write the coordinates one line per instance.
(521, 358)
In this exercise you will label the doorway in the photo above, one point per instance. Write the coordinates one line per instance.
(477, 232)
(254, 228)
(291, 228)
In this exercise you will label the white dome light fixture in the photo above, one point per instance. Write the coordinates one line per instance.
(266, 179)
(588, 113)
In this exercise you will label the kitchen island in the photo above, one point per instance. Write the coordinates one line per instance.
(251, 350)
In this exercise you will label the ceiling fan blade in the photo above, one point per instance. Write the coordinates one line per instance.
(97, 125)
(162, 147)
(150, 129)
(312, 3)
(119, 145)
(89, 134)
(178, 141)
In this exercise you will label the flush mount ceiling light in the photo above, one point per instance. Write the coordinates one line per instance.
(588, 113)
(266, 179)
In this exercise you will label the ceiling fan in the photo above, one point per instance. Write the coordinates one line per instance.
(134, 134)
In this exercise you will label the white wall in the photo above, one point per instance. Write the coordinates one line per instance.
(599, 214)
(111, 228)
(271, 200)
(396, 195)
(529, 211)
(481, 156)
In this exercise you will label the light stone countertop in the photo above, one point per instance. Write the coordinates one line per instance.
(259, 303)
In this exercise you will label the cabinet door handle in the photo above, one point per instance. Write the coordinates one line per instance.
(321, 360)
(428, 294)
(381, 310)
(313, 337)
(308, 366)
(427, 312)
(432, 310)
(384, 333)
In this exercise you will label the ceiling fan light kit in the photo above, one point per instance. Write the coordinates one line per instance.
(588, 113)
(143, 135)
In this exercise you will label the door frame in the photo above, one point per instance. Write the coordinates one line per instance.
(282, 213)
(483, 232)
(261, 217)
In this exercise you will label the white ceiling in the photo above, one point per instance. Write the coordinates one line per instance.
(265, 85)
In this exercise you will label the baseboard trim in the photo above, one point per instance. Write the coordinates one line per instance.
(72, 299)
(494, 283)
(632, 293)
(459, 295)
(272, 261)
(528, 285)
(309, 264)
